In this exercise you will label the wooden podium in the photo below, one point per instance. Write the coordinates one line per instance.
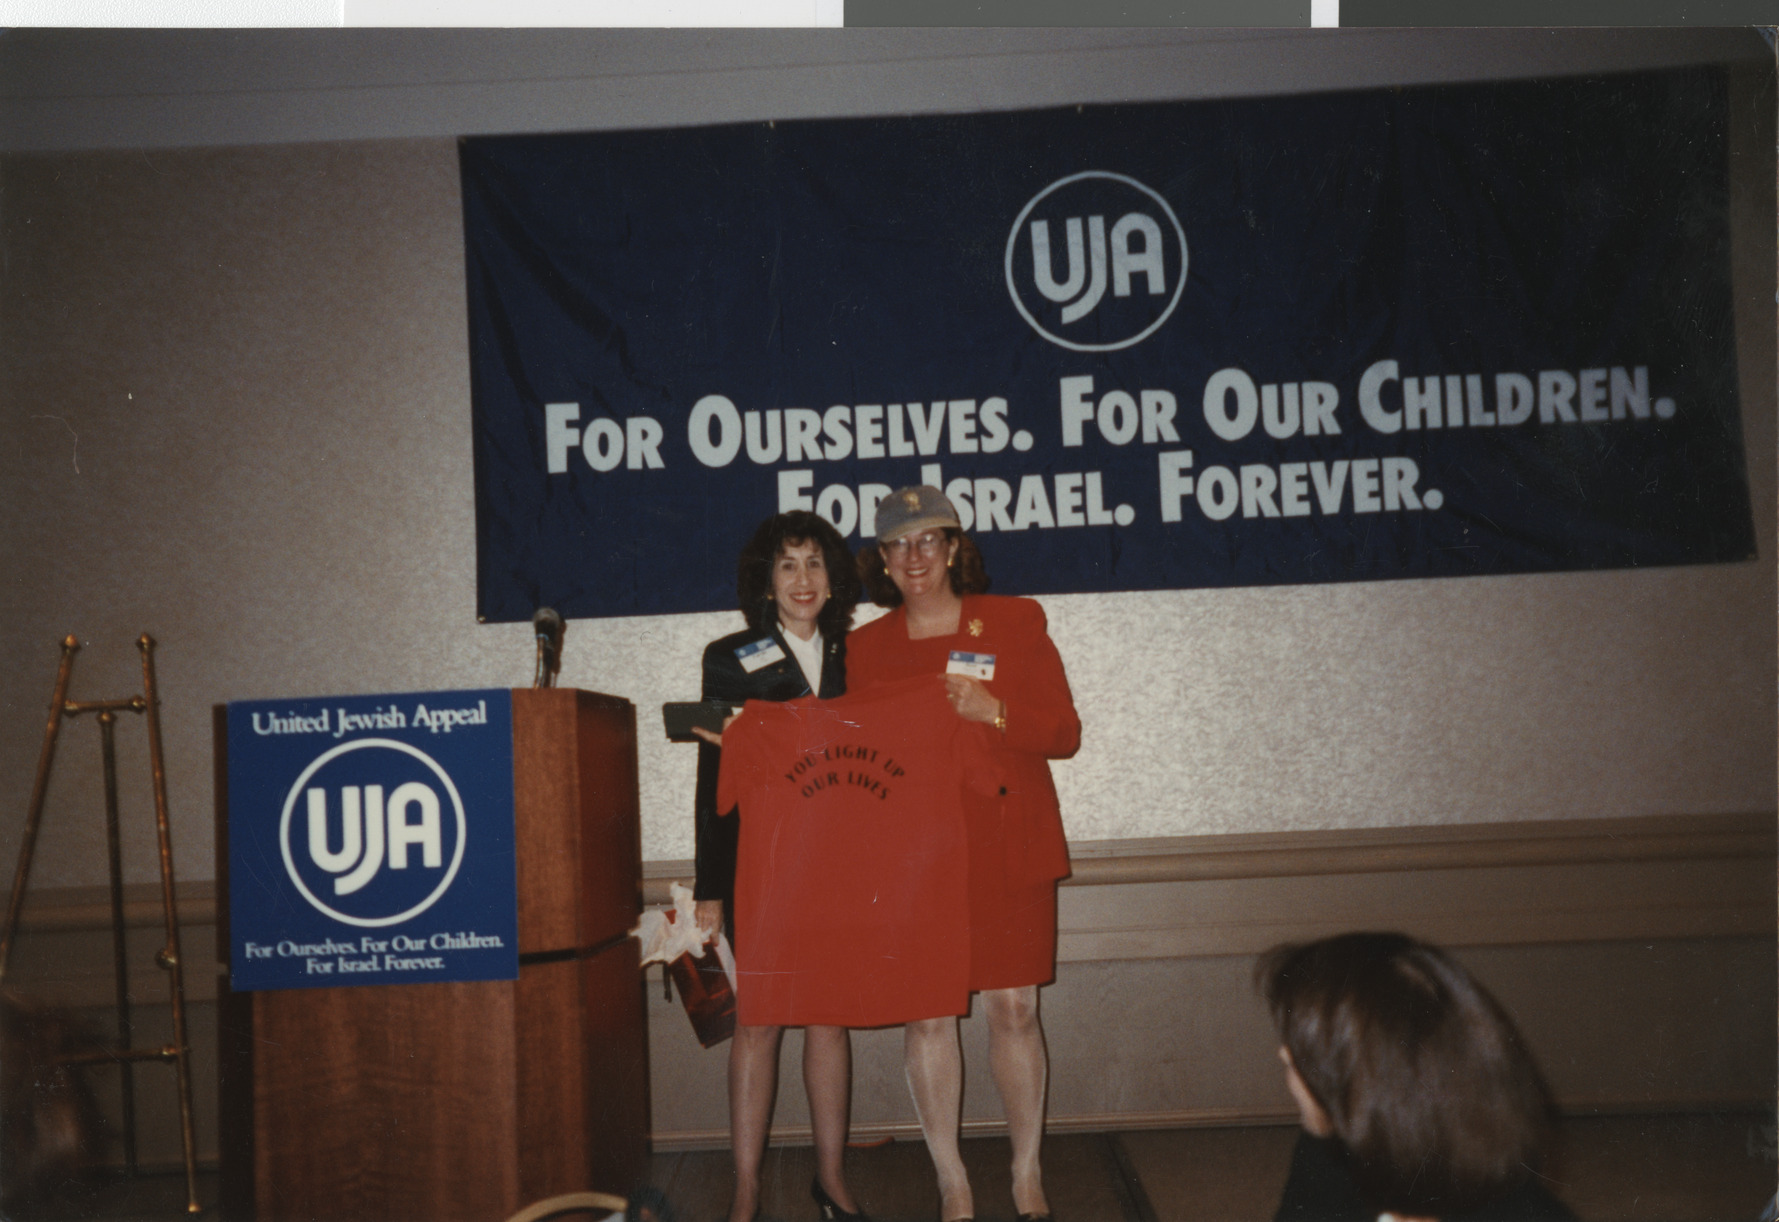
(470, 1100)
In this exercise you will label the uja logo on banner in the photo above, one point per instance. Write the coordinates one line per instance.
(387, 826)
(1096, 261)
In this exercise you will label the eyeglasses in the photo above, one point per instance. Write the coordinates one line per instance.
(928, 543)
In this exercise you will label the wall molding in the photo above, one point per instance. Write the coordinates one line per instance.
(1458, 847)
(72, 909)
(1519, 884)
(1511, 883)
(1171, 859)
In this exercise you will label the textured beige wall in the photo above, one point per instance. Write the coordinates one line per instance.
(234, 412)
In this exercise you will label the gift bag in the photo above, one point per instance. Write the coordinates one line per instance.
(703, 984)
(704, 972)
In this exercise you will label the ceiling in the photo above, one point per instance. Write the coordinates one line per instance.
(142, 89)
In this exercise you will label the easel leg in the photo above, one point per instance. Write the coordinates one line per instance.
(15, 905)
(170, 957)
(119, 942)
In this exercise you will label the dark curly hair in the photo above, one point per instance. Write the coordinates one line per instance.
(968, 576)
(753, 573)
(1423, 1076)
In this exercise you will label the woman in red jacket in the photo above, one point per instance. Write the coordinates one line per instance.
(1000, 668)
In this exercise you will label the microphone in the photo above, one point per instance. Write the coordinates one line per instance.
(549, 628)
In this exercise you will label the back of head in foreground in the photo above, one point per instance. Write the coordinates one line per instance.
(1412, 1066)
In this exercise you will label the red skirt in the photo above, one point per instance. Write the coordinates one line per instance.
(1012, 923)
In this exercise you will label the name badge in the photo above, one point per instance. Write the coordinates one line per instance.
(976, 665)
(763, 652)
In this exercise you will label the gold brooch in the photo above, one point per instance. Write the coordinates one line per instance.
(975, 627)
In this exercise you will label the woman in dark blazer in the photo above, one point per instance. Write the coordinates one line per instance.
(797, 587)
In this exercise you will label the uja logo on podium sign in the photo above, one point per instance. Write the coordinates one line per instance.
(1096, 261)
(373, 832)
(371, 840)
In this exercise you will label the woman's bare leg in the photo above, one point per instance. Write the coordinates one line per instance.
(827, 1078)
(1021, 1071)
(753, 1081)
(935, 1065)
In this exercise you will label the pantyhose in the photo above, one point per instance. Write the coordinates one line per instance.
(1021, 1068)
(753, 1081)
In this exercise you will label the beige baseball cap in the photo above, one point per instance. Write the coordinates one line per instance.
(908, 510)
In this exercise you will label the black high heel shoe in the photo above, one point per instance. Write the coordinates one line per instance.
(831, 1211)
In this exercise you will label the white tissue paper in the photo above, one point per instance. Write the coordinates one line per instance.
(666, 936)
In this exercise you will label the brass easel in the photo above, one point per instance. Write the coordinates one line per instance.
(168, 957)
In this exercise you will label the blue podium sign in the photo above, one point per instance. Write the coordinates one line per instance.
(371, 840)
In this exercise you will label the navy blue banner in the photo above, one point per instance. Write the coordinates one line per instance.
(371, 840)
(1444, 331)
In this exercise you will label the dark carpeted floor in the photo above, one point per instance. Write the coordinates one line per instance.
(1687, 1168)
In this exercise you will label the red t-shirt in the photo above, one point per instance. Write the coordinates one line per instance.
(852, 870)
